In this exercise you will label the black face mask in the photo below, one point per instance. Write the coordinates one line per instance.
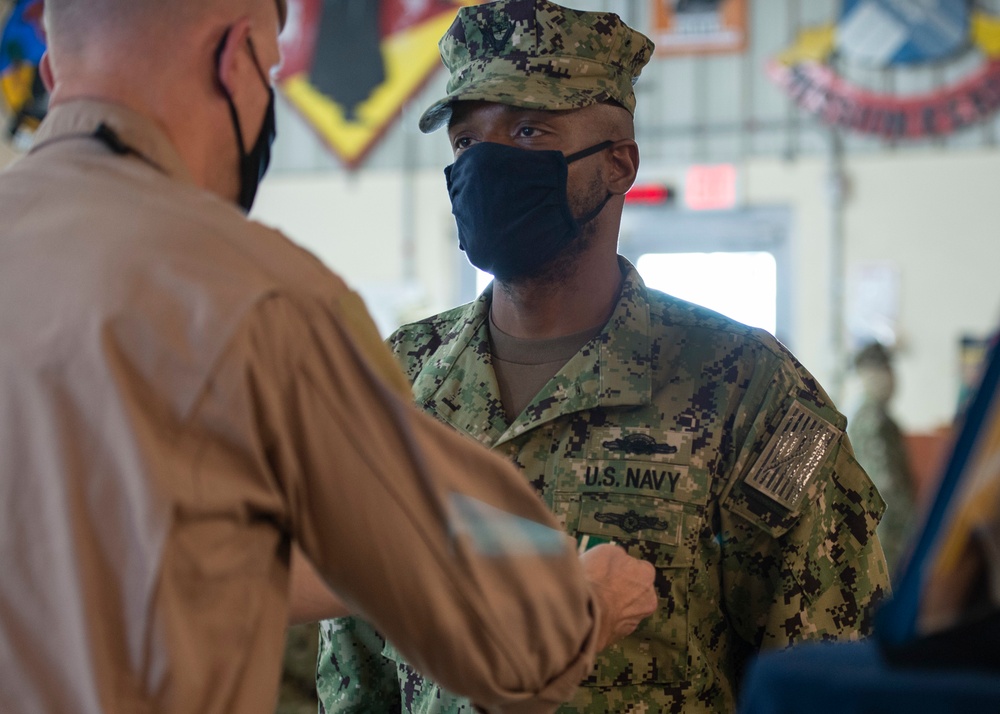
(253, 163)
(512, 208)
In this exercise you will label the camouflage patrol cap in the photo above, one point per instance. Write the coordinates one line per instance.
(538, 55)
(873, 354)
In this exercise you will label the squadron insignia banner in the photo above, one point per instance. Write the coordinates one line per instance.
(349, 66)
(887, 33)
(890, 32)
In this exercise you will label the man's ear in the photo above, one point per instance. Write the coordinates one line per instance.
(231, 55)
(45, 70)
(622, 164)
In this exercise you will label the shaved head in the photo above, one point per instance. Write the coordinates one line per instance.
(196, 68)
(72, 24)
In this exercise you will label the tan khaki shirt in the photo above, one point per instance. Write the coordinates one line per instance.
(182, 393)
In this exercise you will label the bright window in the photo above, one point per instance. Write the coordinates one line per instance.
(482, 280)
(742, 286)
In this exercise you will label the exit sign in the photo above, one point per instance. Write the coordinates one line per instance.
(710, 187)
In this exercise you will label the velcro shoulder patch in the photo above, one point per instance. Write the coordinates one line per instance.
(792, 457)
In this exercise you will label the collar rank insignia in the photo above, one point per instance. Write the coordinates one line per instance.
(631, 521)
(639, 444)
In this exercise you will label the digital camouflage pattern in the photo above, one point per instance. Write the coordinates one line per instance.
(881, 449)
(682, 436)
(538, 55)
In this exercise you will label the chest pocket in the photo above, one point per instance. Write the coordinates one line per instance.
(659, 531)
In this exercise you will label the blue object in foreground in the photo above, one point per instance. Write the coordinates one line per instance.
(854, 678)
(902, 669)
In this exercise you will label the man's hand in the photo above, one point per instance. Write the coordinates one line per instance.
(623, 588)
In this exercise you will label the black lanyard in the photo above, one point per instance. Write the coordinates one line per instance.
(107, 136)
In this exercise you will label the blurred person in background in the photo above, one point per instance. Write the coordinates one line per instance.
(881, 449)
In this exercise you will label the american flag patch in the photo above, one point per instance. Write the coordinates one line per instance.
(792, 456)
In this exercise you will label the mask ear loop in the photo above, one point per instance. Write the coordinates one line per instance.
(584, 153)
(596, 148)
(256, 63)
(588, 217)
(229, 100)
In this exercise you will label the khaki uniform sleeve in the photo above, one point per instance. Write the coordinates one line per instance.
(435, 541)
(801, 560)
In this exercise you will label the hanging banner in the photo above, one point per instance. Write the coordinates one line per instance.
(803, 71)
(683, 27)
(22, 44)
(893, 32)
(349, 66)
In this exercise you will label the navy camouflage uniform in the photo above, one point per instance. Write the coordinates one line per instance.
(695, 442)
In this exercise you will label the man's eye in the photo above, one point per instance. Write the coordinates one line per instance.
(527, 132)
(463, 142)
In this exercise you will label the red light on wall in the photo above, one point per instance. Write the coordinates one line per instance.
(649, 195)
(710, 188)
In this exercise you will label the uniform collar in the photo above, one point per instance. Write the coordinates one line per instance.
(626, 346)
(82, 117)
(612, 370)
